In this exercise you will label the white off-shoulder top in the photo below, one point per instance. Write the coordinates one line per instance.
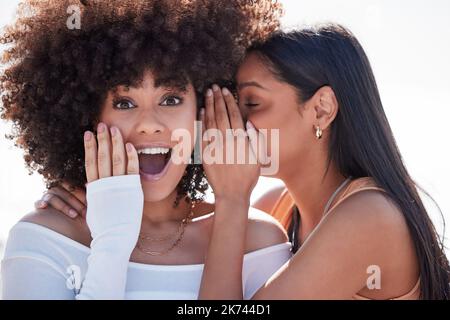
(40, 263)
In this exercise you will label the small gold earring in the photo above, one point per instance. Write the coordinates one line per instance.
(318, 133)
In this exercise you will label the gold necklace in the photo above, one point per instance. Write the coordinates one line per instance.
(180, 230)
(149, 238)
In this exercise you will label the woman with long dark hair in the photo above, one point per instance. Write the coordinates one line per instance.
(357, 223)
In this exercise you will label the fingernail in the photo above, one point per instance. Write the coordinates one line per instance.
(101, 128)
(215, 87)
(42, 204)
(202, 111)
(72, 213)
(113, 131)
(209, 92)
(87, 136)
(225, 91)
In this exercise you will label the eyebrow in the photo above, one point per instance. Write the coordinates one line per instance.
(126, 88)
(250, 84)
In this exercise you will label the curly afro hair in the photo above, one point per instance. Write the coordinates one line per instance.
(55, 78)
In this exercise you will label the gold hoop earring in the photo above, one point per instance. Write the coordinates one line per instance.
(318, 133)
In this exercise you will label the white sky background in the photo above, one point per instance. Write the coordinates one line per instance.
(408, 43)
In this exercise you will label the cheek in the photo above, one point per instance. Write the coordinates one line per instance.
(270, 117)
(274, 113)
(183, 123)
(125, 125)
(186, 122)
(291, 128)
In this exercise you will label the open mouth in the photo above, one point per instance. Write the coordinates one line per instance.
(153, 161)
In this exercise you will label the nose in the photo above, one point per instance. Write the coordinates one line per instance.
(149, 123)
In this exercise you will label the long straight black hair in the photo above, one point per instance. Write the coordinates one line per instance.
(361, 140)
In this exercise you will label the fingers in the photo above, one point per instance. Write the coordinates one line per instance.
(223, 113)
(90, 156)
(133, 160)
(210, 119)
(80, 195)
(118, 153)
(110, 158)
(258, 144)
(69, 198)
(104, 151)
(234, 113)
(54, 200)
(253, 138)
(50, 198)
(40, 204)
(203, 120)
(220, 110)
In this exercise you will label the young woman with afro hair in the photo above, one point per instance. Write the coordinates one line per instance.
(93, 105)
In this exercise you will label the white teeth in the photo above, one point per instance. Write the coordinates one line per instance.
(157, 150)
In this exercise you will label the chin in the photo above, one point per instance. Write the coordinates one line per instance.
(150, 196)
(158, 190)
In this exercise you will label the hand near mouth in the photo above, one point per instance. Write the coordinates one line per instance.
(232, 184)
(111, 157)
(237, 179)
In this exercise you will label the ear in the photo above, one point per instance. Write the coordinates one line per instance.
(325, 107)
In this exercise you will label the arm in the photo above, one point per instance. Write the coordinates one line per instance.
(222, 275)
(35, 268)
(114, 214)
(232, 185)
(114, 218)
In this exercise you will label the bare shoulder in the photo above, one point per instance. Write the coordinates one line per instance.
(373, 209)
(263, 231)
(374, 229)
(75, 229)
(267, 200)
(372, 218)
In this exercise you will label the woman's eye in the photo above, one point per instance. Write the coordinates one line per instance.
(171, 101)
(251, 105)
(247, 103)
(124, 104)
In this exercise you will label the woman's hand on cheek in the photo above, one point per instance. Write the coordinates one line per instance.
(109, 157)
(114, 192)
(231, 181)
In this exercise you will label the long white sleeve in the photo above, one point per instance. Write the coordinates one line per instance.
(37, 265)
(114, 216)
(40, 263)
